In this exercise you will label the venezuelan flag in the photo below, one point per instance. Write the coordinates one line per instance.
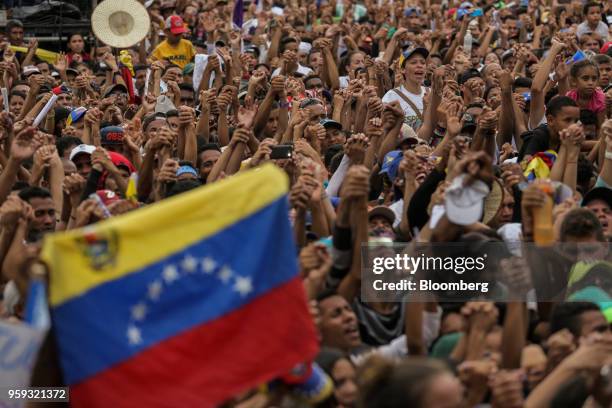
(183, 303)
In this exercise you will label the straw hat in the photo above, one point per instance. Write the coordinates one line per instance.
(120, 23)
(493, 201)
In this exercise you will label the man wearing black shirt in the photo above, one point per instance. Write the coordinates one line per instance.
(561, 112)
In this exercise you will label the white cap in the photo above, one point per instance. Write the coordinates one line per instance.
(30, 69)
(304, 47)
(464, 204)
(82, 148)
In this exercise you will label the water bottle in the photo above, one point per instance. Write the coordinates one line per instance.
(543, 232)
(467, 42)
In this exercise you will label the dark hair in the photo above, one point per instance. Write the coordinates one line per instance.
(331, 152)
(602, 59)
(19, 185)
(284, 42)
(140, 67)
(586, 7)
(488, 91)
(171, 113)
(152, 117)
(185, 163)
(556, 104)
(186, 87)
(169, 66)
(208, 146)
(182, 186)
(17, 93)
(309, 77)
(346, 60)
(12, 24)
(385, 383)
(566, 315)
(575, 70)
(585, 174)
(326, 293)
(38, 62)
(34, 192)
(580, 223)
(65, 142)
(588, 117)
(522, 82)
(261, 64)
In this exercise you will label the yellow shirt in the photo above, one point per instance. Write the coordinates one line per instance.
(180, 55)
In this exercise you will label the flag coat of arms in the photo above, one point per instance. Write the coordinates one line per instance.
(186, 302)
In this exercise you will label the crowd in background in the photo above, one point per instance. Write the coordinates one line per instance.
(374, 110)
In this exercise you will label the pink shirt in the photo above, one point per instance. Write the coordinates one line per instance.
(596, 104)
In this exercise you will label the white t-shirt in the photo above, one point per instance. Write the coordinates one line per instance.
(602, 30)
(305, 71)
(410, 116)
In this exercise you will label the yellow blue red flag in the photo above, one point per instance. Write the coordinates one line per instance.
(186, 302)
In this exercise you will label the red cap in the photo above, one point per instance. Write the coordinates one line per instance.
(604, 48)
(108, 197)
(176, 25)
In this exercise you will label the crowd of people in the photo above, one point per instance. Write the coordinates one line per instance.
(374, 110)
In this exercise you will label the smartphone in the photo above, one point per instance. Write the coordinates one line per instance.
(284, 151)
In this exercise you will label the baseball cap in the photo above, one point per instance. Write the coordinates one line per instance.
(107, 196)
(175, 25)
(410, 52)
(464, 204)
(120, 160)
(62, 89)
(76, 115)
(391, 164)
(469, 74)
(72, 71)
(331, 124)
(252, 49)
(382, 211)
(29, 70)
(188, 70)
(111, 135)
(82, 148)
(186, 170)
(408, 135)
(598, 193)
(412, 11)
(115, 87)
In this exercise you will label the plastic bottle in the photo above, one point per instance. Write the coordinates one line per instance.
(467, 42)
(543, 232)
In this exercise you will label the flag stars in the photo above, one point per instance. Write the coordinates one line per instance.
(154, 290)
(139, 311)
(208, 265)
(170, 274)
(225, 274)
(243, 285)
(189, 264)
(134, 335)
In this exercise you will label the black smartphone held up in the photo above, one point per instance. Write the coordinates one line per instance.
(284, 151)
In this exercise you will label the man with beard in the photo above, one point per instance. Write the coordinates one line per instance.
(43, 210)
